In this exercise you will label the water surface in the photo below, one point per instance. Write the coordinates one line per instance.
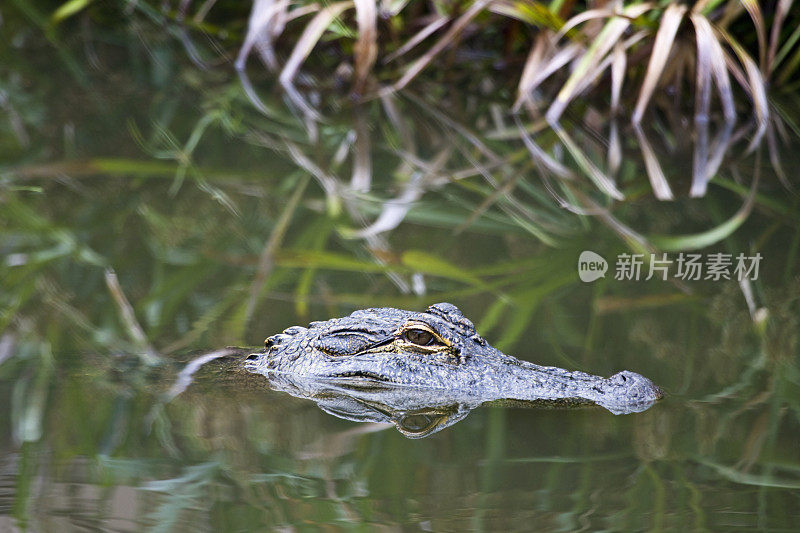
(150, 214)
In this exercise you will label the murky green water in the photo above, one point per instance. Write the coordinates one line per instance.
(149, 213)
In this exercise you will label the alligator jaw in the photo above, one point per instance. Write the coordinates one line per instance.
(507, 378)
(486, 377)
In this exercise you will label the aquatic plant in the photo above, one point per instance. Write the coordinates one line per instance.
(577, 44)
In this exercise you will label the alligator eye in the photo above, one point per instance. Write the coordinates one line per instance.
(420, 337)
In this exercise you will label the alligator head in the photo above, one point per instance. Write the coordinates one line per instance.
(437, 349)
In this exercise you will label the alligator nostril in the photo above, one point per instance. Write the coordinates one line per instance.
(279, 338)
(622, 378)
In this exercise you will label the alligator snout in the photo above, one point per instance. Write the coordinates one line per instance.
(636, 387)
(627, 392)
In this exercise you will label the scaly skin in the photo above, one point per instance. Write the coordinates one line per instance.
(438, 349)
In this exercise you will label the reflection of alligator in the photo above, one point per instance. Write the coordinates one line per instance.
(416, 412)
(425, 356)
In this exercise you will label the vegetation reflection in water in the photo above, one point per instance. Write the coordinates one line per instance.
(155, 223)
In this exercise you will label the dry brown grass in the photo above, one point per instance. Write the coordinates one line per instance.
(618, 60)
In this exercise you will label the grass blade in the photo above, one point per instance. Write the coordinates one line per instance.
(719, 149)
(328, 182)
(390, 8)
(266, 260)
(69, 9)
(580, 18)
(605, 40)
(541, 157)
(302, 49)
(366, 48)
(618, 63)
(535, 71)
(787, 47)
(426, 263)
(756, 87)
(700, 175)
(394, 211)
(361, 178)
(658, 181)
(603, 182)
(458, 26)
(745, 478)
(532, 66)
(761, 32)
(668, 27)
(781, 11)
(711, 59)
(597, 70)
(148, 353)
(267, 20)
(696, 241)
(420, 36)
(614, 152)
(537, 14)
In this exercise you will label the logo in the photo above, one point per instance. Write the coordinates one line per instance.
(591, 266)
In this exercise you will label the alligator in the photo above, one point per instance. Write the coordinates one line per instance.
(433, 356)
